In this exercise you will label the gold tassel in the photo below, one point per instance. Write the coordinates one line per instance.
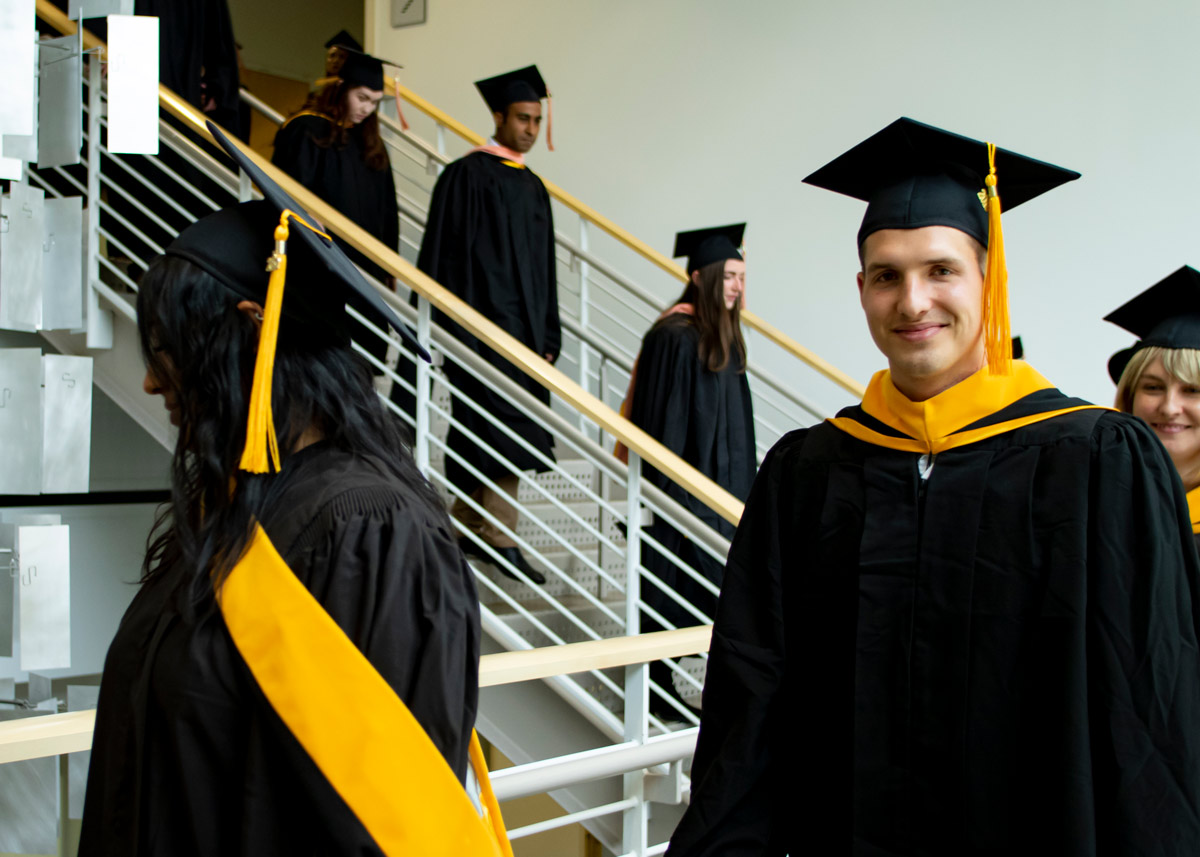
(996, 328)
(260, 423)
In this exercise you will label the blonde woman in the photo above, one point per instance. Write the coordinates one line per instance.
(1158, 378)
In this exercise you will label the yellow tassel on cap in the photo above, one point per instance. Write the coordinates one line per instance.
(260, 423)
(997, 334)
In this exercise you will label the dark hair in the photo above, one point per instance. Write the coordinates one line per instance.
(330, 102)
(720, 328)
(199, 346)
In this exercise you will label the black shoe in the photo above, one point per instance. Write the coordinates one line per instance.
(513, 555)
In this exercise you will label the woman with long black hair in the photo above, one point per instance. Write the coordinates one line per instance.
(298, 672)
(690, 392)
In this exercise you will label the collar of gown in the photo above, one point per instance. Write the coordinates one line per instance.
(955, 417)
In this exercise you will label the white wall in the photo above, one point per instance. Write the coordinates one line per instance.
(676, 114)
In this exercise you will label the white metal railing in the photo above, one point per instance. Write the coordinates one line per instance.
(593, 560)
(657, 760)
(604, 313)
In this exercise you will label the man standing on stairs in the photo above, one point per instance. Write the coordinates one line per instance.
(960, 618)
(490, 240)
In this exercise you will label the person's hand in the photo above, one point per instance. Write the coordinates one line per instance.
(549, 359)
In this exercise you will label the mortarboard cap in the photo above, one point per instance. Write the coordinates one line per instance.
(344, 40)
(913, 175)
(706, 246)
(1166, 315)
(524, 84)
(362, 69)
(250, 248)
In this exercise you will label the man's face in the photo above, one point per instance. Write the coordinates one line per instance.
(922, 292)
(518, 129)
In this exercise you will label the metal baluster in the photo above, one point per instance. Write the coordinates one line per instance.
(583, 316)
(424, 385)
(99, 321)
(245, 193)
(637, 676)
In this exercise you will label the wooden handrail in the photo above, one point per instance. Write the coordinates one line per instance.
(670, 266)
(55, 734)
(471, 320)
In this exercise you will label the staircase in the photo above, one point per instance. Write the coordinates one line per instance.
(581, 522)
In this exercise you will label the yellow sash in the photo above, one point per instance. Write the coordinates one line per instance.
(375, 754)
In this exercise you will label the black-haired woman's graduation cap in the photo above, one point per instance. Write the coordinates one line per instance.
(1166, 315)
(256, 248)
(703, 247)
(913, 175)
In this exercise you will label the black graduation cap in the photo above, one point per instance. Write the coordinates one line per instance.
(524, 84)
(344, 40)
(236, 244)
(362, 69)
(1166, 315)
(911, 175)
(705, 246)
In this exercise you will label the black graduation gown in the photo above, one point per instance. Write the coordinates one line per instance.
(190, 759)
(342, 178)
(490, 240)
(707, 419)
(1001, 662)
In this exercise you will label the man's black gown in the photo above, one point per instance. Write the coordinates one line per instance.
(490, 240)
(1002, 660)
(707, 419)
(189, 758)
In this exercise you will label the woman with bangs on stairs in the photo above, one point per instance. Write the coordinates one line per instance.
(333, 147)
(298, 671)
(689, 391)
(1158, 377)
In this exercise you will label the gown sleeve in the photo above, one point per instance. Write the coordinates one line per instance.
(663, 394)
(391, 212)
(737, 778)
(396, 583)
(1143, 656)
(297, 154)
(450, 231)
(553, 341)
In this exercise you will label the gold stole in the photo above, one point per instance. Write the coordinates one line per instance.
(376, 755)
(1193, 498)
(935, 425)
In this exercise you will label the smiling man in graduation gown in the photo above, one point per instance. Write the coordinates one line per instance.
(490, 240)
(960, 617)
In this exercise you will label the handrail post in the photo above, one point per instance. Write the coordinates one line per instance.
(441, 144)
(99, 321)
(424, 395)
(637, 676)
(64, 804)
(245, 192)
(583, 315)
